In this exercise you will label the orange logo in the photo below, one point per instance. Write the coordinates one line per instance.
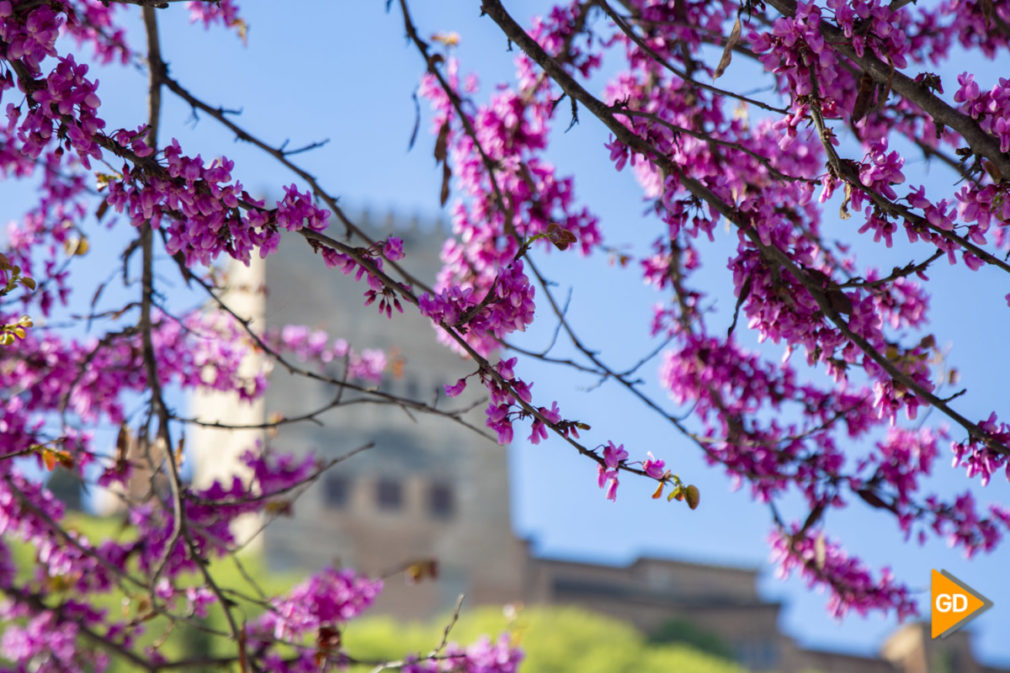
(954, 604)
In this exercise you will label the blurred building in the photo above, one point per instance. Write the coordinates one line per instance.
(432, 490)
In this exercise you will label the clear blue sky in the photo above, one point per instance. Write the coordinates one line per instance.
(343, 71)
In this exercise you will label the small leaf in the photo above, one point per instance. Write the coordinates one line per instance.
(727, 52)
(76, 246)
(328, 638)
(450, 39)
(419, 570)
(279, 508)
(49, 459)
(693, 496)
(28, 282)
(658, 492)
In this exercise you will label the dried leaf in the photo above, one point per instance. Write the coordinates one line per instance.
(992, 170)
(872, 499)
(813, 517)
(659, 492)
(417, 122)
(122, 442)
(243, 30)
(864, 97)
(843, 211)
(243, 656)
(446, 175)
(839, 301)
(727, 52)
(442, 143)
(820, 551)
(103, 208)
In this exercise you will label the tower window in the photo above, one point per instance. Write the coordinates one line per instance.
(388, 494)
(441, 501)
(336, 490)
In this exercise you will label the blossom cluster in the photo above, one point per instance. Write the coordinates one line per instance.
(770, 423)
(316, 346)
(805, 390)
(512, 199)
(852, 587)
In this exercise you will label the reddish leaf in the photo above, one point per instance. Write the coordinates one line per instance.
(560, 237)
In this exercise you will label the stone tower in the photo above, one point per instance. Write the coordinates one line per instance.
(429, 489)
(216, 452)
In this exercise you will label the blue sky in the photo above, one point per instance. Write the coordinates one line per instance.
(343, 71)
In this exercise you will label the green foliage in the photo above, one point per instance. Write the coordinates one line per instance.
(10, 333)
(193, 638)
(555, 640)
(685, 632)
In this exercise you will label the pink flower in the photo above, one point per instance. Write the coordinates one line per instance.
(653, 467)
(455, 390)
(614, 455)
(393, 249)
